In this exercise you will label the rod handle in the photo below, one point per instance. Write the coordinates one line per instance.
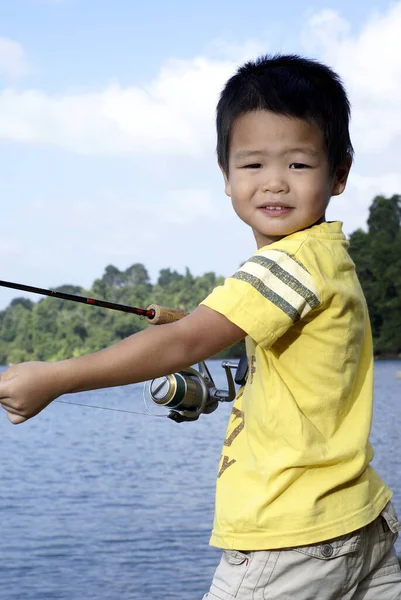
(165, 315)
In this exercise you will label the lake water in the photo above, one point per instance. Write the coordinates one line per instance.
(102, 505)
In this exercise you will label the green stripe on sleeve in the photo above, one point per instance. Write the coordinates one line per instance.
(263, 289)
(287, 278)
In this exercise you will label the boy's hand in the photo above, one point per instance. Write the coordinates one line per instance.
(27, 388)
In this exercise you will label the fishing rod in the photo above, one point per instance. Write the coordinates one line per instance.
(188, 393)
(154, 314)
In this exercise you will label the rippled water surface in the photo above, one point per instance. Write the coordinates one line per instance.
(102, 505)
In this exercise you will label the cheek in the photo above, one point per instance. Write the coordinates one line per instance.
(315, 192)
(240, 187)
(236, 204)
(239, 205)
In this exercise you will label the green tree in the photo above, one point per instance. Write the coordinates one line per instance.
(136, 275)
(377, 256)
(54, 329)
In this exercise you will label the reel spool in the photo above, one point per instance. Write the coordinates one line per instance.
(185, 392)
(191, 392)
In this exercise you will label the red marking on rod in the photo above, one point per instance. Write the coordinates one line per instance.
(91, 301)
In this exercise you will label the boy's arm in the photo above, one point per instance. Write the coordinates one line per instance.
(27, 388)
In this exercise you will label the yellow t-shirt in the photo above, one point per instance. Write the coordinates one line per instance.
(295, 463)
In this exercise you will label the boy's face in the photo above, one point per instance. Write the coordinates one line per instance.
(279, 177)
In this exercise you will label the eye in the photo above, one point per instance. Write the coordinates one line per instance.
(299, 166)
(252, 166)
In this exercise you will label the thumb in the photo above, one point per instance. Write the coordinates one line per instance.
(15, 419)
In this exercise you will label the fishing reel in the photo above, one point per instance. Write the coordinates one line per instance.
(191, 392)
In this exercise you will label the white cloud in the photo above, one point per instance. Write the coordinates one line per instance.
(352, 207)
(153, 220)
(370, 65)
(13, 61)
(174, 113)
(324, 30)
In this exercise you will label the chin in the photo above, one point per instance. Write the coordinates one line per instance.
(277, 233)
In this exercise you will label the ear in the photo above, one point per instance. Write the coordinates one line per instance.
(227, 186)
(341, 176)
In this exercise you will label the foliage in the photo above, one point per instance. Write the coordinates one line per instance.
(53, 329)
(377, 255)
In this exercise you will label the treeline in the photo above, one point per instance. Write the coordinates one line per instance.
(52, 329)
(377, 256)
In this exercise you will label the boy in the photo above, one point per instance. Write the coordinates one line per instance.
(299, 511)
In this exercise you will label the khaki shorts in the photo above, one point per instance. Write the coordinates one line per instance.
(361, 565)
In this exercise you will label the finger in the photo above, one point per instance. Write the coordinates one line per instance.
(10, 409)
(8, 404)
(5, 403)
(15, 419)
(5, 387)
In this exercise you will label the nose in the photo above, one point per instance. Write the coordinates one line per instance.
(275, 183)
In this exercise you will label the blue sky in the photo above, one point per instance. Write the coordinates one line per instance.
(107, 135)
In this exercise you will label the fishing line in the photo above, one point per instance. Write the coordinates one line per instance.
(187, 393)
(132, 412)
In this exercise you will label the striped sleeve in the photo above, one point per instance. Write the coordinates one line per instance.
(272, 291)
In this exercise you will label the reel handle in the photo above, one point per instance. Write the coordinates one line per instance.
(165, 315)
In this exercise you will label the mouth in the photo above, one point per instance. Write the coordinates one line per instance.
(275, 209)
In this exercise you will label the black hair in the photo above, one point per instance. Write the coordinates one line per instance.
(292, 86)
